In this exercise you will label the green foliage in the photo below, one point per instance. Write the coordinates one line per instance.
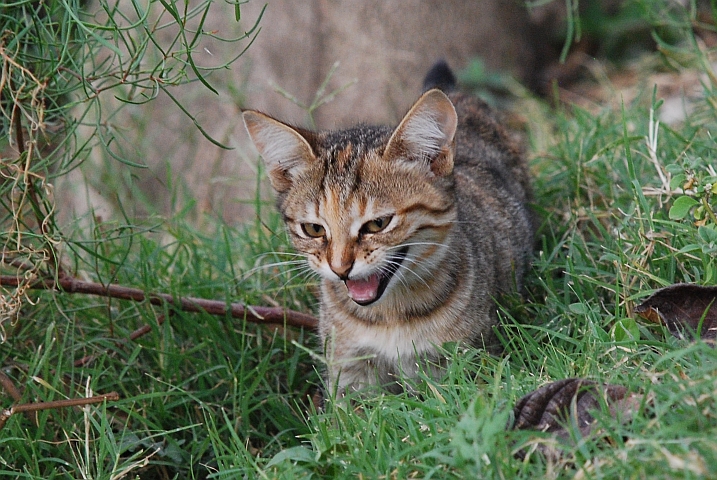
(479, 440)
(627, 206)
(61, 65)
(621, 30)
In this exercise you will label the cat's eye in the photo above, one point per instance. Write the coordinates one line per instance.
(376, 225)
(313, 230)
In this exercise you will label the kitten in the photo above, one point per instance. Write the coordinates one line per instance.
(414, 230)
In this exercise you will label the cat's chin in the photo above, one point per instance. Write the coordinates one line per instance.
(366, 291)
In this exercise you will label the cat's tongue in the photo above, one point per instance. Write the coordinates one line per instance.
(365, 290)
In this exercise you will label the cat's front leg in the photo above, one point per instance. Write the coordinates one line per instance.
(349, 375)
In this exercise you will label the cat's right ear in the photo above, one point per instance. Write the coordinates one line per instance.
(426, 135)
(284, 150)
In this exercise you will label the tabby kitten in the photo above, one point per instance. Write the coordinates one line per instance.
(414, 230)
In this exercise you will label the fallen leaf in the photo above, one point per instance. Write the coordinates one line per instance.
(558, 405)
(681, 308)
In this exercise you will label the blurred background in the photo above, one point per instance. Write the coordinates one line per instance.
(323, 64)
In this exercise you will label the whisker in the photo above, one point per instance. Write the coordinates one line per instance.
(270, 265)
(277, 254)
(421, 268)
(394, 262)
(410, 244)
(398, 274)
(403, 278)
(304, 276)
(413, 258)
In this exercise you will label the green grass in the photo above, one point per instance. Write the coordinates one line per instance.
(215, 397)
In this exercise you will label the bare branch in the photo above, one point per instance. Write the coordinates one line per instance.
(254, 314)
(71, 402)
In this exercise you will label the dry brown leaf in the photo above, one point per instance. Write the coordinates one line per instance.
(681, 308)
(557, 405)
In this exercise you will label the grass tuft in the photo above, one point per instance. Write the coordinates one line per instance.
(627, 205)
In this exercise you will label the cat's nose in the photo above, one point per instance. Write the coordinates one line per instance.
(343, 269)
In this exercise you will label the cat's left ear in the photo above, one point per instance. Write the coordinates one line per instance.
(427, 133)
(285, 151)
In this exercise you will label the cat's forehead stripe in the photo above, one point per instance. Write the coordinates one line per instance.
(333, 210)
(318, 206)
(339, 206)
(422, 207)
(363, 205)
(343, 156)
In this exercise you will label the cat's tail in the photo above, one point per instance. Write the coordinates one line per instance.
(440, 76)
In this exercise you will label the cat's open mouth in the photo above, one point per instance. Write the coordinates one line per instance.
(367, 290)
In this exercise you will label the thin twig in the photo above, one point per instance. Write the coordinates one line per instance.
(14, 393)
(9, 387)
(84, 360)
(145, 329)
(17, 125)
(255, 314)
(17, 263)
(71, 402)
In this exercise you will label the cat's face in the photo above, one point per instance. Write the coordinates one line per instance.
(369, 207)
(365, 233)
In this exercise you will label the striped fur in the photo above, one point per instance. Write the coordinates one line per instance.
(413, 230)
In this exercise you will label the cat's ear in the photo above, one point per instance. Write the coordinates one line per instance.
(284, 150)
(427, 133)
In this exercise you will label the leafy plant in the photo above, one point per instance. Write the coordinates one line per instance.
(59, 66)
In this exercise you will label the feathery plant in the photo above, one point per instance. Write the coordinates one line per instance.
(59, 63)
